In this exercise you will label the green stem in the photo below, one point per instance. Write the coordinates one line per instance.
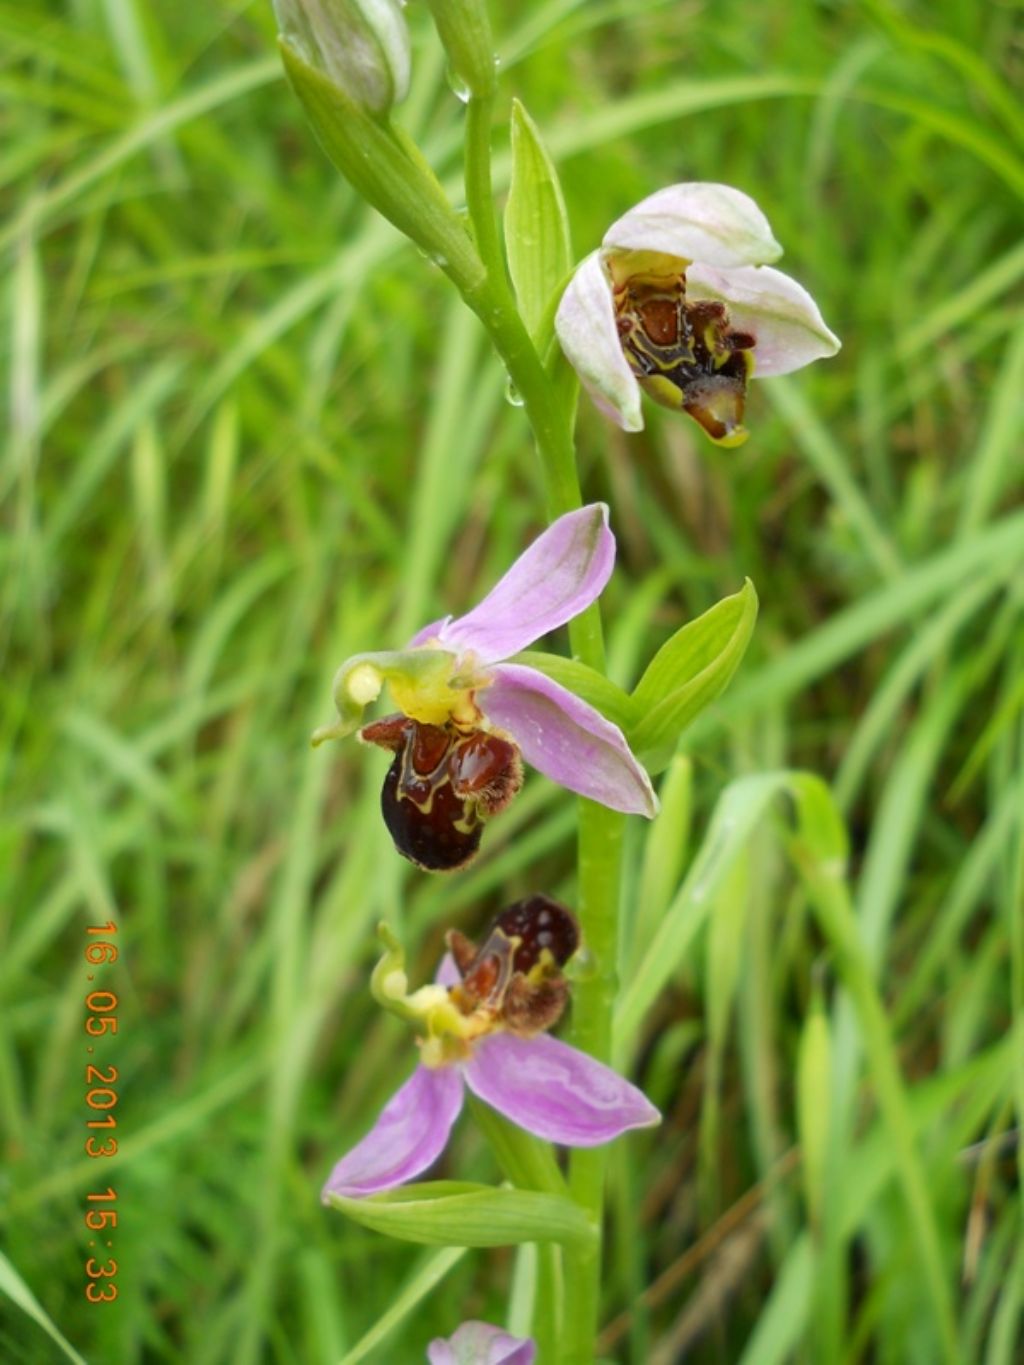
(479, 194)
(550, 409)
(600, 865)
(600, 830)
(492, 300)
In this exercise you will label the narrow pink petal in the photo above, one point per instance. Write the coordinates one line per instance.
(699, 221)
(478, 1343)
(407, 1138)
(552, 581)
(556, 1091)
(782, 315)
(585, 323)
(566, 739)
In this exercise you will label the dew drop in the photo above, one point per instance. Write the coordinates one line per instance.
(457, 85)
(512, 395)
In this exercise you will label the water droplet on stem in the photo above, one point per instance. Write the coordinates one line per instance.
(457, 85)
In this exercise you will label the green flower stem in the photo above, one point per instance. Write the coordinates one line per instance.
(552, 431)
(600, 865)
(492, 300)
(479, 193)
(550, 408)
(600, 830)
(549, 1301)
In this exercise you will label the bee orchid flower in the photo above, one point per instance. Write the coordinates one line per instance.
(681, 303)
(482, 1025)
(478, 1343)
(467, 715)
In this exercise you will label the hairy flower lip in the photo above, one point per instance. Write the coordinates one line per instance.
(719, 238)
(457, 669)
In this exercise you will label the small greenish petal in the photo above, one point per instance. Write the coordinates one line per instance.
(360, 680)
(429, 1007)
(388, 982)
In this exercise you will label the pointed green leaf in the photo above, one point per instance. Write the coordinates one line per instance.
(536, 224)
(689, 672)
(458, 1213)
(604, 695)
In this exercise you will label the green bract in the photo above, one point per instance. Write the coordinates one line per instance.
(460, 1213)
(685, 676)
(536, 228)
(690, 671)
(385, 167)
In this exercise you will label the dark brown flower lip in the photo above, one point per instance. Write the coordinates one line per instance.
(444, 783)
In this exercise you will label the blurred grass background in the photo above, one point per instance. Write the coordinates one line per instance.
(249, 433)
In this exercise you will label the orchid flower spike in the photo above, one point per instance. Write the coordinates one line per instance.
(483, 1025)
(478, 1343)
(680, 302)
(467, 716)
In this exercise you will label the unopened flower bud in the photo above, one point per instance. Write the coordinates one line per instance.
(362, 45)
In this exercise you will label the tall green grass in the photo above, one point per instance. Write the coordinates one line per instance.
(249, 434)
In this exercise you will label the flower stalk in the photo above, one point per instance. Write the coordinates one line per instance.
(599, 848)
(600, 831)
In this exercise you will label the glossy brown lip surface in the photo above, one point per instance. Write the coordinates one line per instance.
(443, 784)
